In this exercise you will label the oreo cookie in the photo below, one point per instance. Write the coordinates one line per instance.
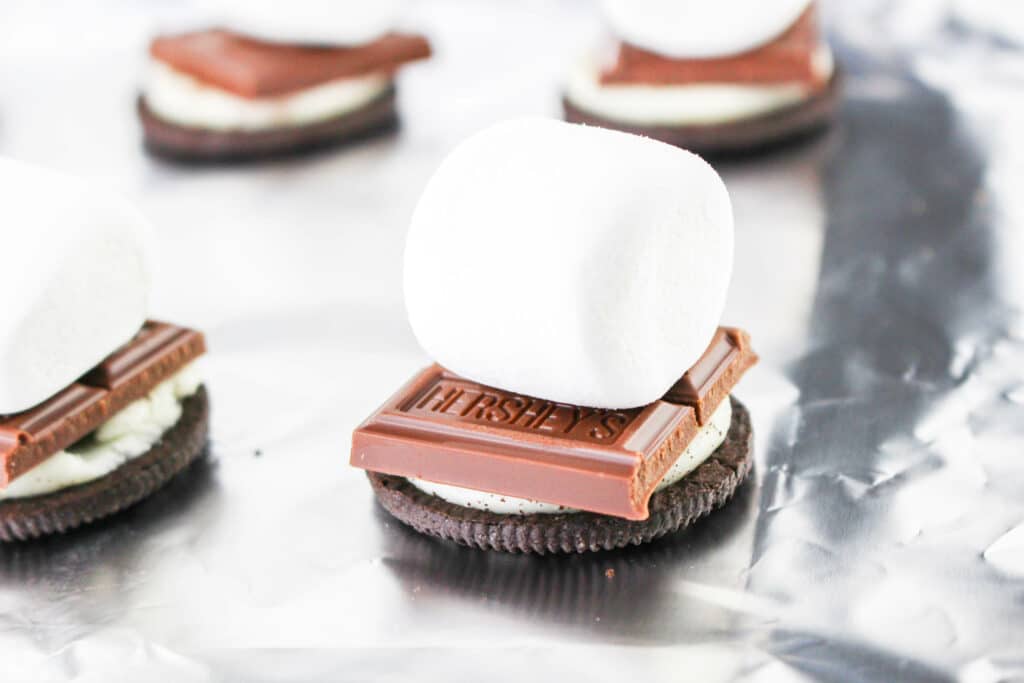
(196, 145)
(745, 136)
(675, 507)
(181, 445)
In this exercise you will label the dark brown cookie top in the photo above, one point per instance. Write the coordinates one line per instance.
(707, 487)
(57, 512)
(735, 137)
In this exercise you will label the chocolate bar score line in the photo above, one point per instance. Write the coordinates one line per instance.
(157, 352)
(443, 428)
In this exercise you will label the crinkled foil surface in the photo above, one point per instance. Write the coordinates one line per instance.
(879, 270)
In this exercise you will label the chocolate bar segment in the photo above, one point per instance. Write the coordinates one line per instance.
(253, 68)
(444, 428)
(710, 379)
(787, 59)
(118, 367)
(28, 438)
(157, 352)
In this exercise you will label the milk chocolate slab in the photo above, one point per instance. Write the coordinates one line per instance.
(446, 429)
(125, 364)
(787, 59)
(705, 385)
(28, 438)
(254, 68)
(157, 352)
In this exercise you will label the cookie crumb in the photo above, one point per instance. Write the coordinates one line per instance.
(609, 573)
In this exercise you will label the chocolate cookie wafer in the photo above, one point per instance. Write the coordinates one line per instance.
(673, 508)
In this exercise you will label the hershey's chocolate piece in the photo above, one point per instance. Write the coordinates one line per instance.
(28, 438)
(707, 383)
(789, 58)
(157, 352)
(253, 68)
(443, 428)
(154, 355)
(124, 363)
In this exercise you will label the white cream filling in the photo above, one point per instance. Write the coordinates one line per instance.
(680, 105)
(126, 435)
(179, 98)
(707, 441)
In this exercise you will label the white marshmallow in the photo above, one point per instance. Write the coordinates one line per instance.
(76, 277)
(701, 29)
(569, 263)
(319, 22)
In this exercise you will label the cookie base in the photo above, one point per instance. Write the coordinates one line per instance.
(36, 516)
(744, 136)
(707, 487)
(197, 145)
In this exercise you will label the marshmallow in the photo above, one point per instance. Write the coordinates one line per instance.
(318, 22)
(76, 278)
(701, 29)
(570, 263)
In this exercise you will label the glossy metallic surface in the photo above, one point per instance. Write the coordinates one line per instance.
(878, 271)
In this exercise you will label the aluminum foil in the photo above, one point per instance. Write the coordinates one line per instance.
(878, 269)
